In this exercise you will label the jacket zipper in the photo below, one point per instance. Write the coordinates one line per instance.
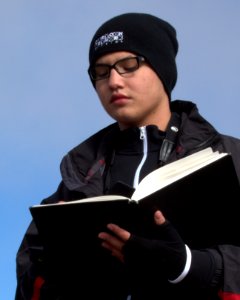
(143, 137)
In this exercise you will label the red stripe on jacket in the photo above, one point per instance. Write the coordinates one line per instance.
(228, 296)
(39, 281)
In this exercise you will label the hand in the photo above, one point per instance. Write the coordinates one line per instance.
(166, 254)
(167, 250)
(115, 243)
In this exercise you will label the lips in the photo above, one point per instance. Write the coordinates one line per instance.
(118, 98)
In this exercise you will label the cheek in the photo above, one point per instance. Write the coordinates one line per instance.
(101, 92)
(145, 88)
(103, 98)
(151, 85)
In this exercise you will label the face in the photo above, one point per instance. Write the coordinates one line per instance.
(132, 99)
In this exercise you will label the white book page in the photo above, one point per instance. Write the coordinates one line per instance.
(90, 199)
(174, 171)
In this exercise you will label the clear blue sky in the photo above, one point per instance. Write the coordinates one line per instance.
(48, 104)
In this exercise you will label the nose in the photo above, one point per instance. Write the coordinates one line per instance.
(115, 79)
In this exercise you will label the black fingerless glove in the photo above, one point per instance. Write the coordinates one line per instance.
(166, 254)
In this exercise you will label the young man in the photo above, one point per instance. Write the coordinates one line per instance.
(133, 69)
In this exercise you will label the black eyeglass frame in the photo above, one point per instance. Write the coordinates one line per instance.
(139, 59)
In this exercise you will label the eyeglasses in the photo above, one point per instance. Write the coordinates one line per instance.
(122, 66)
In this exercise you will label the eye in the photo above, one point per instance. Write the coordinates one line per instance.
(128, 64)
(101, 71)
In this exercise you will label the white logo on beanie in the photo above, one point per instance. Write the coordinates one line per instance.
(109, 38)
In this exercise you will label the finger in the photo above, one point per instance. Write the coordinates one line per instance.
(111, 242)
(159, 217)
(121, 233)
(114, 252)
(118, 255)
(114, 247)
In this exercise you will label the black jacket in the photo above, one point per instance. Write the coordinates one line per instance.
(84, 173)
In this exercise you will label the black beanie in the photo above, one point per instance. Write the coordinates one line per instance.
(142, 34)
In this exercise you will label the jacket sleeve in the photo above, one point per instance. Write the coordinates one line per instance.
(231, 272)
(30, 266)
(32, 275)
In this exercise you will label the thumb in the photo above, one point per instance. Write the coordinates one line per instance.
(159, 218)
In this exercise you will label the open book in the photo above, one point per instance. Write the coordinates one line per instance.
(199, 194)
(198, 181)
(161, 177)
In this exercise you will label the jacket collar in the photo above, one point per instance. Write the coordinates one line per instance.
(88, 159)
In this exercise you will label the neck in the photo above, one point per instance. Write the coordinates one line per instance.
(160, 118)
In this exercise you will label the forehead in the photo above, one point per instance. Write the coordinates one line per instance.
(112, 57)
